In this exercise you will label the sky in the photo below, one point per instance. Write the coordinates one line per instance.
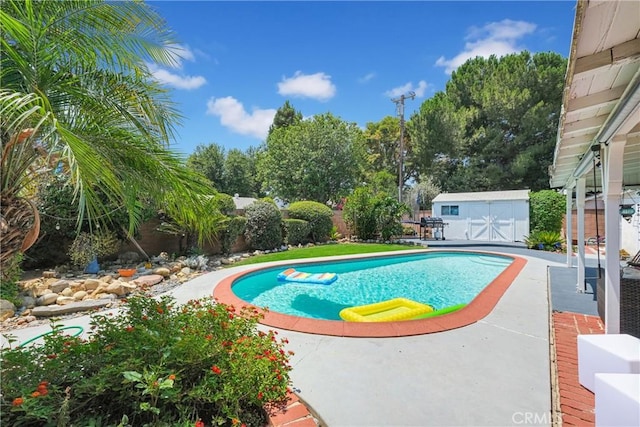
(240, 61)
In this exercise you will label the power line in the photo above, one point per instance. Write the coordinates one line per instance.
(399, 101)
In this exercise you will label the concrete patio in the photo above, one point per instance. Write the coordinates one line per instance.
(494, 372)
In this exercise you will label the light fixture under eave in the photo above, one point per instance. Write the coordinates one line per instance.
(627, 211)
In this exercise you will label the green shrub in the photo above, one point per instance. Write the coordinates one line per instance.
(297, 231)
(155, 363)
(388, 212)
(335, 234)
(547, 208)
(9, 278)
(225, 203)
(318, 215)
(87, 246)
(264, 225)
(359, 213)
(370, 216)
(233, 228)
(544, 240)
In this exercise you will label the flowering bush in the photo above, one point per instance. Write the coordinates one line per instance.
(153, 364)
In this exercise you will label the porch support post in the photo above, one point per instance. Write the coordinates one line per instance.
(612, 187)
(580, 196)
(568, 223)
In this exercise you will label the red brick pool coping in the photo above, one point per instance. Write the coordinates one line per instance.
(477, 309)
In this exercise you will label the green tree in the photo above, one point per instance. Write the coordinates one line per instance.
(494, 127)
(285, 116)
(382, 141)
(77, 98)
(318, 159)
(238, 176)
(209, 160)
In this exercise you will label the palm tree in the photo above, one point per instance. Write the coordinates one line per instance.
(77, 98)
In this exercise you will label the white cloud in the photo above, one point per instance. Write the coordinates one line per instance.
(495, 38)
(233, 116)
(408, 87)
(366, 78)
(176, 80)
(317, 86)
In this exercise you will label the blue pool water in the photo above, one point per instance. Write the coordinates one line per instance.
(440, 279)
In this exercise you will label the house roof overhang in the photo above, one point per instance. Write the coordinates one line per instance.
(601, 97)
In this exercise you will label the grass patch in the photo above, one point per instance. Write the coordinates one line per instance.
(324, 250)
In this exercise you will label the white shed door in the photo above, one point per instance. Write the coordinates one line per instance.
(479, 215)
(491, 221)
(501, 222)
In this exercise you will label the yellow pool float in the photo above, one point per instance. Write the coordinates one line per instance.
(386, 311)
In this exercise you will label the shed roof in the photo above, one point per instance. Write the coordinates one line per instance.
(243, 202)
(483, 196)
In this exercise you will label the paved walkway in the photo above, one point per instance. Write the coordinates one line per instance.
(495, 372)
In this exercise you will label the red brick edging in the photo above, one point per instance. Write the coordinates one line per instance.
(296, 414)
(576, 403)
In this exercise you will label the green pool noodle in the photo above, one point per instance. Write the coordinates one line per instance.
(441, 311)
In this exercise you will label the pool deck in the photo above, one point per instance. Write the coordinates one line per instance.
(494, 372)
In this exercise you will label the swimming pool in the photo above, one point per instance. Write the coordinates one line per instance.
(439, 279)
(321, 306)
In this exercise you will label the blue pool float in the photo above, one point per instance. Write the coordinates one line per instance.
(292, 275)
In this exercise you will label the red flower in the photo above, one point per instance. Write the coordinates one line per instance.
(17, 401)
(159, 310)
(52, 356)
(209, 337)
(172, 377)
(260, 395)
(216, 370)
(199, 423)
(129, 328)
(35, 394)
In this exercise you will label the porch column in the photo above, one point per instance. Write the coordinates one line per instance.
(612, 187)
(580, 195)
(568, 223)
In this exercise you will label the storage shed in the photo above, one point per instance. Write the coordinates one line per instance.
(496, 216)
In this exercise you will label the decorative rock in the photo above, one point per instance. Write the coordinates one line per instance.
(62, 300)
(59, 285)
(108, 297)
(245, 255)
(49, 274)
(28, 302)
(27, 312)
(116, 288)
(69, 308)
(149, 280)
(226, 261)
(107, 279)
(7, 309)
(185, 271)
(41, 289)
(66, 292)
(25, 319)
(46, 299)
(79, 296)
(77, 286)
(92, 284)
(162, 271)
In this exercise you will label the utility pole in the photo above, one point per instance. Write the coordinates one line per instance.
(399, 101)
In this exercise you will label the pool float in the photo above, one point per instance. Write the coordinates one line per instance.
(386, 311)
(292, 275)
(441, 311)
